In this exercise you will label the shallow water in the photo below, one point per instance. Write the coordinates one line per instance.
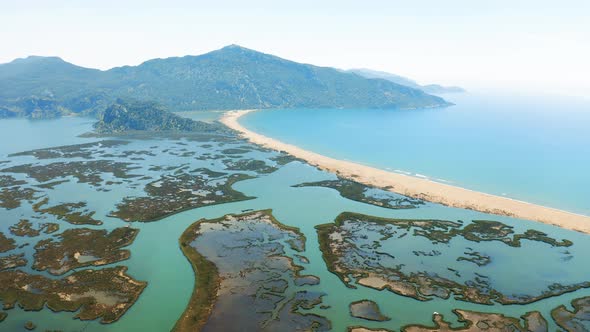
(533, 149)
(157, 259)
(20, 135)
(257, 276)
(206, 116)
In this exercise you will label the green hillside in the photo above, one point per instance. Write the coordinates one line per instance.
(230, 78)
(127, 115)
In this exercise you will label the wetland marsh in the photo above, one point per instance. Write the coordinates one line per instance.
(82, 210)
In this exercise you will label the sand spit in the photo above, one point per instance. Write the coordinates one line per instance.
(418, 187)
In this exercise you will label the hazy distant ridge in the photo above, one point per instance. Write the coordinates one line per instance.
(429, 88)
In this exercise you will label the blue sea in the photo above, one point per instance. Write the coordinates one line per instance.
(535, 149)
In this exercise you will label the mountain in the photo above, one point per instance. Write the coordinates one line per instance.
(437, 89)
(44, 87)
(230, 78)
(127, 115)
(429, 88)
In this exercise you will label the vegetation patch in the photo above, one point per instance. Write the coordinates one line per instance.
(234, 151)
(79, 247)
(12, 197)
(353, 249)
(30, 326)
(178, 192)
(252, 165)
(85, 171)
(24, 228)
(9, 181)
(575, 320)
(12, 261)
(204, 293)
(6, 244)
(365, 194)
(485, 230)
(367, 309)
(284, 159)
(51, 184)
(50, 227)
(476, 258)
(85, 151)
(106, 294)
(480, 321)
(74, 213)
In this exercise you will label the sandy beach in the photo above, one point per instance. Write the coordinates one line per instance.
(417, 187)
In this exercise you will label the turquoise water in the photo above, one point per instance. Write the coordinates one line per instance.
(206, 116)
(157, 259)
(533, 149)
(18, 135)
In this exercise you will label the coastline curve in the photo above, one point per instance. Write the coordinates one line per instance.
(414, 187)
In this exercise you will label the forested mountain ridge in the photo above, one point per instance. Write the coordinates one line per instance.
(230, 78)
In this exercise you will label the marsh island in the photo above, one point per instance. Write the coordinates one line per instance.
(372, 252)
(246, 276)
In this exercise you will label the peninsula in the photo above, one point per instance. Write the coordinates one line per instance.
(416, 187)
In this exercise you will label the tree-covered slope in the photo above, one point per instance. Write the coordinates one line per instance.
(236, 78)
(42, 87)
(230, 78)
(128, 115)
(44, 76)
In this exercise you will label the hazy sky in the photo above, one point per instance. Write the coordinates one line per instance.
(521, 45)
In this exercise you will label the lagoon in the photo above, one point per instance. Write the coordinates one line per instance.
(157, 258)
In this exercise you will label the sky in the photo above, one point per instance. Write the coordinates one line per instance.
(528, 46)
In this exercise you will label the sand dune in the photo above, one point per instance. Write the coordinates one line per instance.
(418, 187)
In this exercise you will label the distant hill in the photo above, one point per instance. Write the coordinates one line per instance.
(127, 115)
(430, 88)
(45, 87)
(230, 78)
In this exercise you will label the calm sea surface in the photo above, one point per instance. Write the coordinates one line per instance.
(533, 149)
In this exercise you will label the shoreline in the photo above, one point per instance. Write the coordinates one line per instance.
(415, 187)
